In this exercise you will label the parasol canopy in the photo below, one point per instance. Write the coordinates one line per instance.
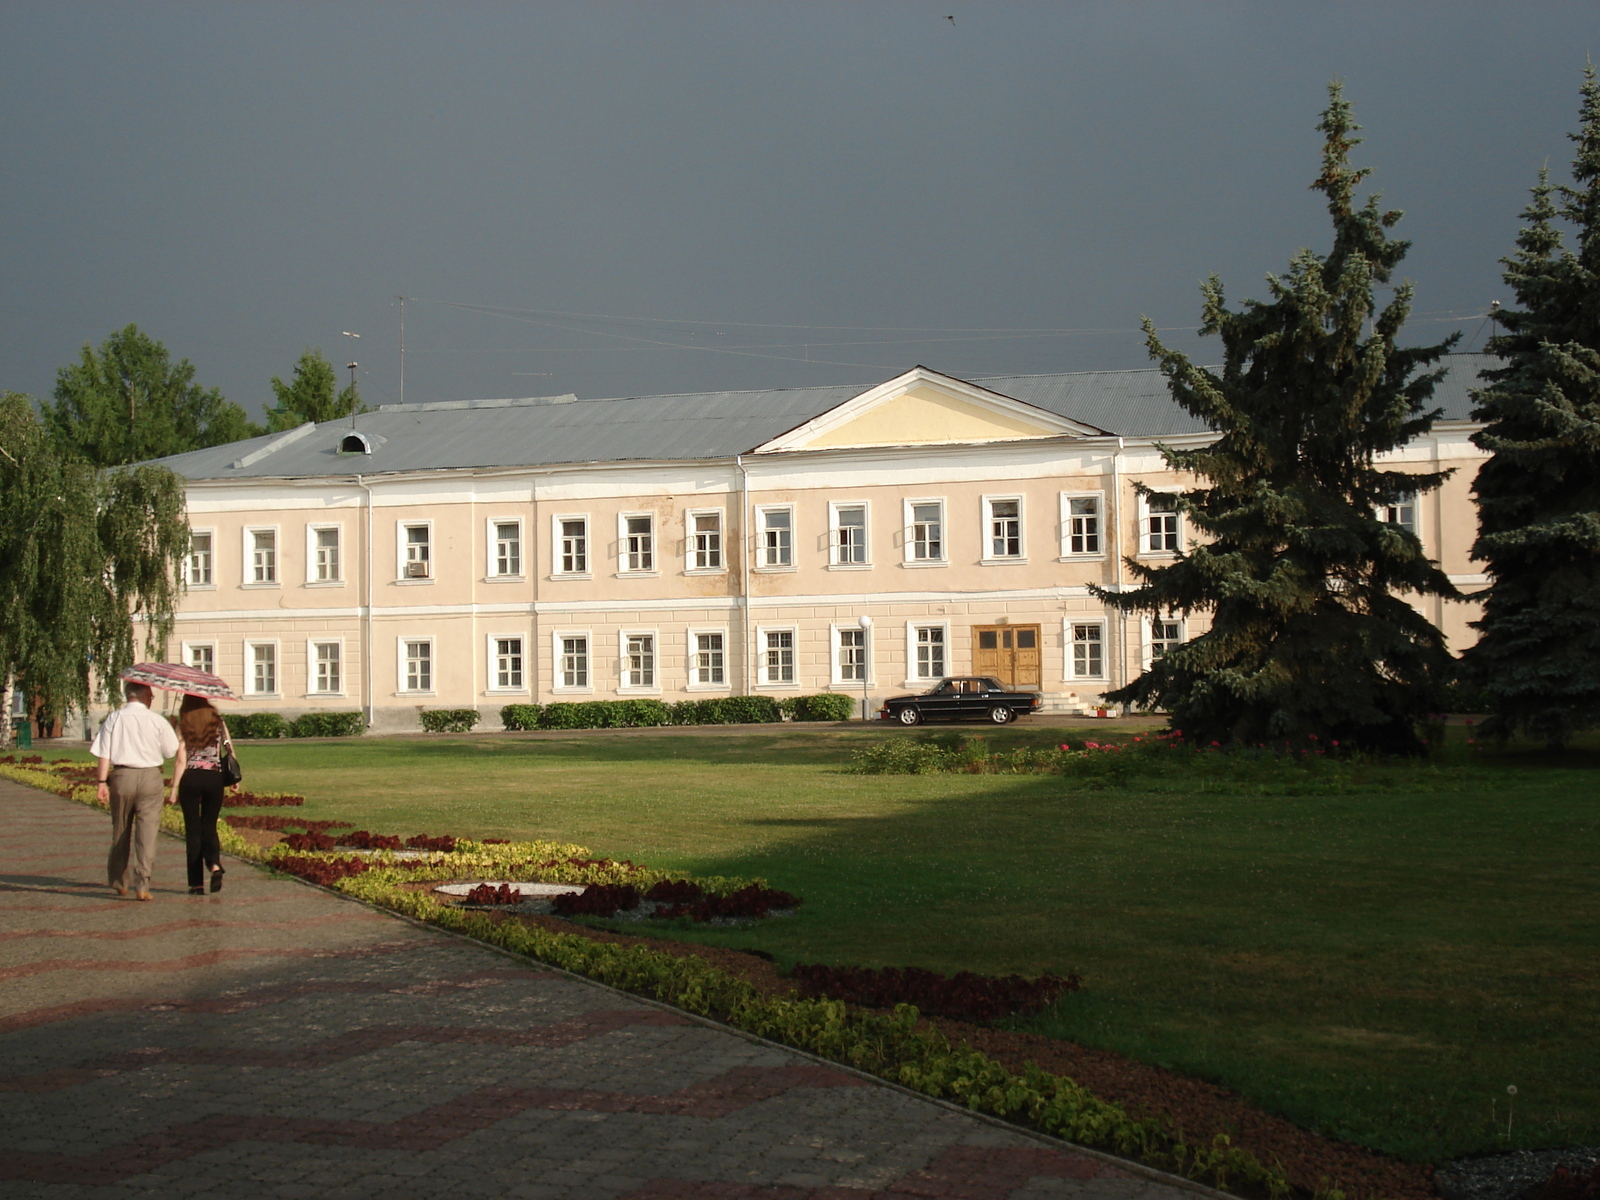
(175, 677)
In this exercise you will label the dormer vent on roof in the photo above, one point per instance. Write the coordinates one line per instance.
(355, 443)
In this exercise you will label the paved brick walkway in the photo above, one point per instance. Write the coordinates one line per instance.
(275, 1041)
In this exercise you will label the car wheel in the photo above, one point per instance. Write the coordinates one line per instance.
(1000, 714)
(908, 716)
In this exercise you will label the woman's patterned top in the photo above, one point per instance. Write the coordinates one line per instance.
(207, 758)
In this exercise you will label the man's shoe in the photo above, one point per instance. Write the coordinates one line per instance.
(119, 889)
(197, 891)
(142, 894)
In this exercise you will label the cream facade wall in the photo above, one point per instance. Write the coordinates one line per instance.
(671, 579)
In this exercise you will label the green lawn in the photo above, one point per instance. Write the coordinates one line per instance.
(1378, 965)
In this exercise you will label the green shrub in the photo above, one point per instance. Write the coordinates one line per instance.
(257, 725)
(328, 724)
(587, 714)
(635, 714)
(520, 716)
(743, 710)
(825, 706)
(687, 712)
(449, 720)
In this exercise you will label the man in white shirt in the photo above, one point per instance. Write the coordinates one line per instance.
(132, 744)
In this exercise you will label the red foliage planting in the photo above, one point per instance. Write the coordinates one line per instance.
(321, 870)
(484, 894)
(675, 891)
(422, 841)
(362, 840)
(251, 800)
(309, 841)
(1564, 1185)
(752, 901)
(284, 824)
(495, 842)
(965, 996)
(597, 900)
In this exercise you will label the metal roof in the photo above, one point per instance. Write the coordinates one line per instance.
(556, 430)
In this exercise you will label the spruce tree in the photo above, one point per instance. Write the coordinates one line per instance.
(310, 395)
(1306, 585)
(1538, 495)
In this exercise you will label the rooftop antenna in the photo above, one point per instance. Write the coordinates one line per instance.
(402, 300)
(353, 394)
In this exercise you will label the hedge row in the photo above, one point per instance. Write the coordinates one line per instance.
(311, 724)
(634, 714)
(449, 720)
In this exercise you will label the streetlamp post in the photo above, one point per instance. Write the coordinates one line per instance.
(866, 632)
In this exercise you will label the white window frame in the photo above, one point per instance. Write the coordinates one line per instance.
(691, 549)
(211, 561)
(491, 541)
(248, 570)
(1146, 550)
(250, 645)
(492, 664)
(402, 541)
(696, 684)
(986, 507)
(1069, 641)
(635, 689)
(400, 644)
(654, 569)
(311, 665)
(786, 562)
(909, 528)
(763, 675)
(913, 640)
(557, 546)
(1067, 552)
(311, 554)
(1147, 632)
(835, 507)
(558, 658)
(186, 649)
(836, 657)
(1387, 513)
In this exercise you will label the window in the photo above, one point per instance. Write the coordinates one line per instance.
(1165, 636)
(572, 545)
(1088, 650)
(574, 660)
(199, 559)
(202, 657)
(929, 662)
(1161, 524)
(1081, 525)
(852, 660)
(507, 548)
(778, 664)
(926, 543)
(705, 541)
(417, 660)
(638, 544)
(325, 556)
(707, 668)
(417, 542)
(777, 537)
(1005, 528)
(639, 661)
(263, 555)
(850, 535)
(326, 665)
(507, 663)
(263, 658)
(1403, 512)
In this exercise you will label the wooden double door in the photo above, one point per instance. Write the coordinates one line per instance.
(1009, 653)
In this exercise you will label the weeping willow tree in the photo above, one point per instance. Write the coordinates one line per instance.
(1307, 585)
(85, 553)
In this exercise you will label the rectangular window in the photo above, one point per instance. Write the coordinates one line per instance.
(508, 662)
(325, 549)
(639, 661)
(574, 546)
(203, 658)
(1403, 512)
(708, 664)
(927, 532)
(1088, 650)
(199, 559)
(1005, 529)
(263, 556)
(507, 548)
(850, 535)
(777, 537)
(705, 549)
(1165, 636)
(780, 656)
(263, 668)
(326, 658)
(419, 666)
(930, 652)
(1083, 525)
(1161, 524)
(419, 556)
(575, 662)
(852, 655)
(638, 545)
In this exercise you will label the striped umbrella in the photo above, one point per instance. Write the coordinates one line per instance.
(175, 677)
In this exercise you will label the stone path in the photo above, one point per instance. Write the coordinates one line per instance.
(273, 1040)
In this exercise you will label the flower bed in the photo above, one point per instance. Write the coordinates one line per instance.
(965, 996)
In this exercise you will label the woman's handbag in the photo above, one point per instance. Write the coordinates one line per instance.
(231, 774)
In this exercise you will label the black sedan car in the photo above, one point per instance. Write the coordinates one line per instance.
(961, 698)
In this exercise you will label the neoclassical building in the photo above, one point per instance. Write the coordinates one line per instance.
(868, 541)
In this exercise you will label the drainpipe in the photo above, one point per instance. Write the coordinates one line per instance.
(1116, 525)
(366, 619)
(746, 673)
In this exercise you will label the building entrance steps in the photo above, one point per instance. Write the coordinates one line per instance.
(274, 1040)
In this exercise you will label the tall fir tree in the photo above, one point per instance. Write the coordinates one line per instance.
(311, 395)
(1538, 654)
(128, 402)
(1305, 583)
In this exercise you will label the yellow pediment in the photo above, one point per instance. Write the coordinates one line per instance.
(926, 414)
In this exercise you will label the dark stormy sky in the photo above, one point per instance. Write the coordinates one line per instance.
(613, 199)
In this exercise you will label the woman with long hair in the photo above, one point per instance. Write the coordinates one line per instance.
(197, 786)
